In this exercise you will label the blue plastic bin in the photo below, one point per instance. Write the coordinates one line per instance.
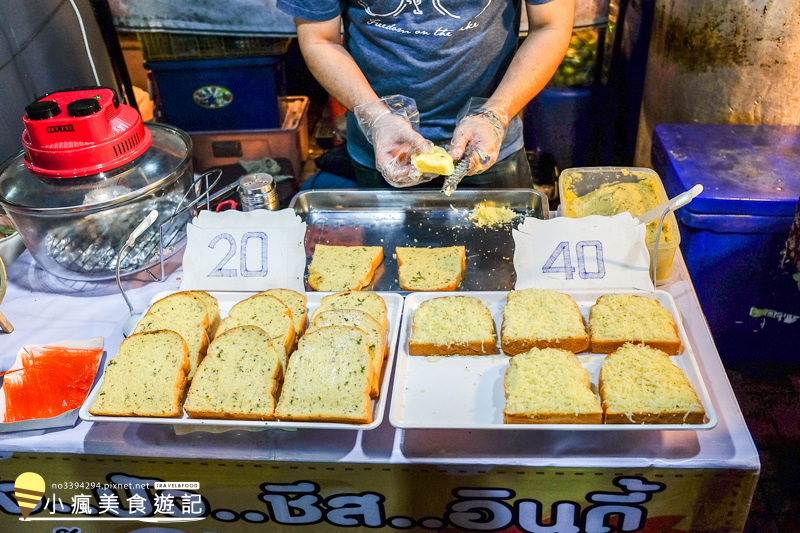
(220, 94)
(734, 232)
(558, 122)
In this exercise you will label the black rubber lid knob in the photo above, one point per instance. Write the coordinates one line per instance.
(42, 110)
(83, 107)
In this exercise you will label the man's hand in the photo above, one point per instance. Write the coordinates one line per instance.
(387, 124)
(479, 135)
(395, 142)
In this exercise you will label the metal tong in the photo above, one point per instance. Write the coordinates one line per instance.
(452, 181)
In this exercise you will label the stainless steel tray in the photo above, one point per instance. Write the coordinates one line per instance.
(420, 218)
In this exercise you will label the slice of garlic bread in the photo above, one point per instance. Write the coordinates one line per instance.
(549, 386)
(542, 318)
(147, 378)
(328, 378)
(641, 385)
(238, 379)
(343, 268)
(431, 269)
(452, 325)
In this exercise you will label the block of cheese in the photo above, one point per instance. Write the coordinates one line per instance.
(542, 318)
(147, 378)
(343, 268)
(619, 318)
(641, 385)
(436, 162)
(238, 378)
(367, 324)
(328, 378)
(369, 302)
(452, 325)
(549, 386)
(431, 269)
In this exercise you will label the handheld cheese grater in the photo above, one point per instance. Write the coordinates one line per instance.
(452, 181)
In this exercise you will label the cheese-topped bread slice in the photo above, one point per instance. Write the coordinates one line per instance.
(343, 268)
(369, 302)
(641, 385)
(452, 325)
(238, 379)
(619, 318)
(431, 269)
(212, 306)
(328, 378)
(296, 303)
(549, 386)
(267, 313)
(195, 335)
(367, 324)
(542, 318)
(146, 378)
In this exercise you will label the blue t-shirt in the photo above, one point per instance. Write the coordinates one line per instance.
(438, 52)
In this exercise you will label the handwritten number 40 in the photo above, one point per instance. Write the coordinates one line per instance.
(220, 272)
(566, 268)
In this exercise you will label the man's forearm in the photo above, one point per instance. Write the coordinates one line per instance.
(536, 59)
(332, 66)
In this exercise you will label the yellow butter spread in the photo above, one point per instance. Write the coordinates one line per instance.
(614, 198)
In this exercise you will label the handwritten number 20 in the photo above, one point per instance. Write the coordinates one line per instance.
(563, 250)
(220, 272)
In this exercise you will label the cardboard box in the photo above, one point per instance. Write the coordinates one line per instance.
(217, 148)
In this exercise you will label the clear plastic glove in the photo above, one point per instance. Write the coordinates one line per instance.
(479, 133)
(390, 124)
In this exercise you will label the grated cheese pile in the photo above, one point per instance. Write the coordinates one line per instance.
(486, 215)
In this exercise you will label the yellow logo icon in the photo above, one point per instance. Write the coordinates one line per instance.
(28, 490)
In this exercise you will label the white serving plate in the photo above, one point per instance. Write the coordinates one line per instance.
(466, 392)
(65, 419)
(394, 308)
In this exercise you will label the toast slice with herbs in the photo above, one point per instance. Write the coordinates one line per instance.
(147, 378)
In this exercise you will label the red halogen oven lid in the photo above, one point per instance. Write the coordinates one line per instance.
(80, 132)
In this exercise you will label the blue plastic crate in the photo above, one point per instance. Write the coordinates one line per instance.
(733, 234)
(220, 94)
(558, 122)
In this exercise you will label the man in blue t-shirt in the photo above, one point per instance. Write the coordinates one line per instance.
(452, 65)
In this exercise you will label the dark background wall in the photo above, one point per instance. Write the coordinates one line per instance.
(42, 50)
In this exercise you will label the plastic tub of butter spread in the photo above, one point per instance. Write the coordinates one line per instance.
(612, 190)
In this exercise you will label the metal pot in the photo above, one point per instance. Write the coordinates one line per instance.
(75, 227)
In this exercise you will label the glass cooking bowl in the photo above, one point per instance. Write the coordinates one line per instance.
(75, 227)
